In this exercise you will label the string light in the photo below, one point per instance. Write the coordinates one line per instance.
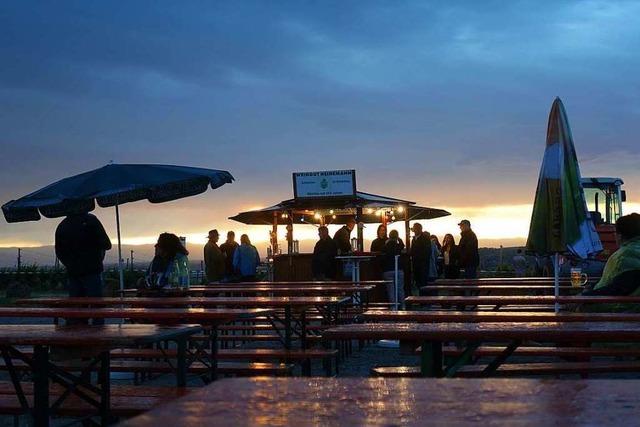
(400, 209)
(317, 216)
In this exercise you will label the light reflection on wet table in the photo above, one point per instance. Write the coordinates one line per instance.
(363, 401)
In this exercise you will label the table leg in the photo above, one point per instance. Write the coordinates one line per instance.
(213, 341)
(41, 385)
(104, 378)
(181, 362)
(431, 359)
(287, 327)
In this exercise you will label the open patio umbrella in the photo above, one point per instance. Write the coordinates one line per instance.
(114, 185)
(560, 221)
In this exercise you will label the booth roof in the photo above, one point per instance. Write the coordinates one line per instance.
(303, 210)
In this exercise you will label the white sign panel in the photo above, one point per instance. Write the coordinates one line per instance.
(324, 184)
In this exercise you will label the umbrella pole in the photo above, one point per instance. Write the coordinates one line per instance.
(121, 273)
(556, 279)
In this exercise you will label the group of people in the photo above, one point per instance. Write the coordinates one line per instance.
(230, 261)
(429, 258)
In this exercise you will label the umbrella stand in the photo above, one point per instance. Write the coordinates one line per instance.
(556, 279)
(121, 273)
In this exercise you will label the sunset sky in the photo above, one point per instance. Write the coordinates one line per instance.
(442, 103)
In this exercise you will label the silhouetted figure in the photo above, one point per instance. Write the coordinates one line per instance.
(420, 256)
(214, 258)
(468, 246)
(450, 258)
(342, 238)
(228, 248)
(323, 263)
(81, 243)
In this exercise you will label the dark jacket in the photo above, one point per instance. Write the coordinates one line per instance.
(468, 249)
(214, 261)
(228, 249)
(342, 239)
(452, 270)
(323, 263)
(421, 250)
(80, 244)
(390, 249)
(378, 244)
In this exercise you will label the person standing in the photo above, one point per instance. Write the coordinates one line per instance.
(377, 245)
(420, 256)
(80, 245)
(393, 247)
(342, 238)
(323, 263)
(214, 258)
(520, 264)
(228, 248)
(450, 257)
(468, 248)
(170, 265)
(246, 260)
(434, 272)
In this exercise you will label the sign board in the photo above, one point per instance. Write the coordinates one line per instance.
(341, 183)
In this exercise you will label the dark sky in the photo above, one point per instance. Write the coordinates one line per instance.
(444, 103)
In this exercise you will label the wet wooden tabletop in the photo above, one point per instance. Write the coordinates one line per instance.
(519, 300)
(401, 402)
(86, 336)
(255, 302)
(275, 290)
(135, 313)
(310, 283)
(484, 331)
(495, 316)
(507, 281)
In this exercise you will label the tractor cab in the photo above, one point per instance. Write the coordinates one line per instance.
(604, 198)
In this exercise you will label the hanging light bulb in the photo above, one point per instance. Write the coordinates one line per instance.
(400, 209)
(331, 211)
(317, 216)
(334, 217)
(369, 210)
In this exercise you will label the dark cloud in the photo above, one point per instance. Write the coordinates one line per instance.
(419, 89)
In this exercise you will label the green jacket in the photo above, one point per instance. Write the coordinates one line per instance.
(625, 259)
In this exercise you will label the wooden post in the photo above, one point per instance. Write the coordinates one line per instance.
(274, 234)
(407, 228)
(360, 230)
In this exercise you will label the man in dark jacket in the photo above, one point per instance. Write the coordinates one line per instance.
(81, 243)
(468, 250)
(228, 248)
(420, 256)
(342, 238)
(214, 260)
(323, 263)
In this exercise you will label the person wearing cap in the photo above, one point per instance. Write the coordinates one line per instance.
(420, 256)
(621, 275)
(214, 259)
(342, 238)
(468, 250)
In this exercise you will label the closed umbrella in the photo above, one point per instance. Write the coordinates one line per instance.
(114, 185)
(560, 221)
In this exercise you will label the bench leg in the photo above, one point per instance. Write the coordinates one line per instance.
(181, 368)
(495, 363)
(213, 340)
(104, 379)
(41, 385)
(431, 359)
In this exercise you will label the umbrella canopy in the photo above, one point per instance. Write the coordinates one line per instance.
(112, 185)
(343, 209)
(560, 222)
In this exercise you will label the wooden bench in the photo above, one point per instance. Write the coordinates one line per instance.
(126, 401)
(519, 369)
(162, 367)
(253, 354)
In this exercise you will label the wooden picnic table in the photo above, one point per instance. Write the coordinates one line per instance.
(498, 289)
(212, 318)
(407, 402)
(93, 341)
(526, 300)
(295, 308)
(311, 283)
(432, 337)
(494, 316)
(507, 281)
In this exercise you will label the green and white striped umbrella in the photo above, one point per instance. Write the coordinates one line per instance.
(560, 222)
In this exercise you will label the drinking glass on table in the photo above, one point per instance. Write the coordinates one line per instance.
(578, 278)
